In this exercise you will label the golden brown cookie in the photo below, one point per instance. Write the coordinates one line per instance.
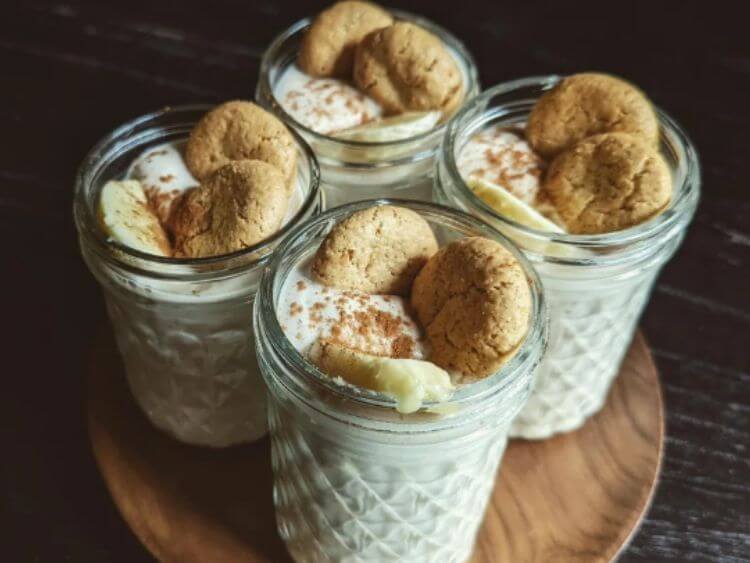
(474, 303)
(608, 183)
(588, 104)
(404, 67)
(376, 250)
(236, 131)
(328, 45)
(241, 204)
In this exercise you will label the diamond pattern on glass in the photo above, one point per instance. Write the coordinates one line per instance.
(193, 373)
(590, 331)
(338, 503)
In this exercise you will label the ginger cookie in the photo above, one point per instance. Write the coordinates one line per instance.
(608, 183)
(330, 42)
(473, 300)
(588, 104)
(406, 68)
(240, 130)
(239, 205)
(376, 250)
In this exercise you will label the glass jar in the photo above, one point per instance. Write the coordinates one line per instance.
(596, 285)
(353, 479)
(183, 326)
(352, 170)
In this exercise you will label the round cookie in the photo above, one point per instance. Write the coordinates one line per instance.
(376, 250)
(329, 44)
(608, 183)
(241, 204)
(407, 68)
(588, 104)
(474, 302)
(240, 130)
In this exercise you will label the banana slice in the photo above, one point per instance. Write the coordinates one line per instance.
(505, 203)
(394, 128)
(127, 218)
(409, 382)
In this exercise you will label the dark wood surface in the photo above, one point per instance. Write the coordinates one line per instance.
(71, 71)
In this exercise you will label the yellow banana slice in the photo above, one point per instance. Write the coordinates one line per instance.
(127, 218)
(508, 205)
(393, 128)
(410, 382)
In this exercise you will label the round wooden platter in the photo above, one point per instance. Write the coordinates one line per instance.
(576, 497)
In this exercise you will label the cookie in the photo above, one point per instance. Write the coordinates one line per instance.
(588, 104)
(608, 183)
(376, 250)
(241, 204)
(236, 131)
(407, 68)
(329, 44)
(473, 301)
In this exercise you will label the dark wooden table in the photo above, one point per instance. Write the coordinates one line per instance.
(72, 71)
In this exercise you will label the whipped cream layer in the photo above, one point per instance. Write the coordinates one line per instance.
(502, 156)
(164, 175)
(325, 105)
(188, 346)
(379, 325)
(363, 340)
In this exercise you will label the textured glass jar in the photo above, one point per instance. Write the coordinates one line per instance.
(183, 326)
(351, 170)
(596, 286)
(353, 479)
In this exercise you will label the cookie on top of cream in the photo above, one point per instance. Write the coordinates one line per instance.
(608, 182)
(581, 182)
(406, 68)
(231, 185)
(376, 307)
(237, 206)
(474, 302)
(377, 250)
(238, 130)
(330, 43)
(356, 65)
(587, 104)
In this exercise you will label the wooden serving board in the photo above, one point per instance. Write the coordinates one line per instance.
(577, 497)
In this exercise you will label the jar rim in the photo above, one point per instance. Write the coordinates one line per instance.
(472, 398)
(266, 90)
(106, 148)
(681, 207)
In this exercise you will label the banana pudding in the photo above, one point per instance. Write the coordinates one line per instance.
(371, 90)
(466, 312)
(177, 213)
(397, 340)
(597, 187)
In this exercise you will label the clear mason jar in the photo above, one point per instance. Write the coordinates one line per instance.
(352, 170)
(353, 479)
(596, 286)
(183, 326)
